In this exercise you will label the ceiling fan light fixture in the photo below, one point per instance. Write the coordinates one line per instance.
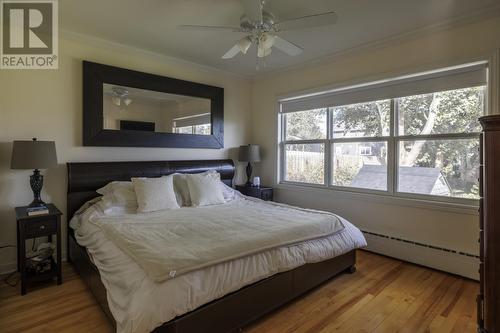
(262, 51)
(265, 45)
(266, 40)
(116, 100)
(127, 101)
(120, 95)
(244, 44)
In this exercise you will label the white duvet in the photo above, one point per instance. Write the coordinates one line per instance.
(169, 243)
(139, 304)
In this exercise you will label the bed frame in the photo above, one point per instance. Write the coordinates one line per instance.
(227, 314)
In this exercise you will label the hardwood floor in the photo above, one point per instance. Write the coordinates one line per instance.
(384, 295)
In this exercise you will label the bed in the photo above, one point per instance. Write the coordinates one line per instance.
(226, 312)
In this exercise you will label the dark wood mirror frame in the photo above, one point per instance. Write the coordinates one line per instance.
(94, 134)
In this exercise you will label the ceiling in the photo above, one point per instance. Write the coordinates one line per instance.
(151, 25)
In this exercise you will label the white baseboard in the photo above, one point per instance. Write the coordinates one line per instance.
(442, 259)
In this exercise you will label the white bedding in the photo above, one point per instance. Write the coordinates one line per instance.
(139, 304)
(174, 242)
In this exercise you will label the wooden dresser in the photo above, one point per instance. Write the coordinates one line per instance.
(489, 215)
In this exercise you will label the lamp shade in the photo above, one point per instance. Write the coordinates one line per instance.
(249, 153)
(33, 155)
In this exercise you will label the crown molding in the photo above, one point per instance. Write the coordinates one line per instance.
(474, 17)
(108, 44)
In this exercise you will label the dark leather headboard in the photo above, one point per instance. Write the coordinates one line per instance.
(85, 178)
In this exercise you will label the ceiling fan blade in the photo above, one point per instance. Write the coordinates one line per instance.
(188, 27)
(232, 52)
(309, 21)
(286, 46)
(253, 10)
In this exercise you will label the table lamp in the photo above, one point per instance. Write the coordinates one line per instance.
(34, 155)
(250, 154)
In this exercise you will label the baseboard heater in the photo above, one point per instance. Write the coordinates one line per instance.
(448, 260)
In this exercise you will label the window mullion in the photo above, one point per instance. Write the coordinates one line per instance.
(328, 148)
(282, 155)
(304, 142)
(445, 136)
(361, 139)
(282, 167)
(395, 117)
(391, 150)
(283, 127)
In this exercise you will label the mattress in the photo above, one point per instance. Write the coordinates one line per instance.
(139, 304)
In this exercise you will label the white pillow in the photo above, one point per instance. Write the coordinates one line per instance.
(205, 189)
(181, 189)
(109, 187)
(119, 194)
(155, 194)
(229, 193)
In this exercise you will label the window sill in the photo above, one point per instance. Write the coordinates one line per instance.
(383, 198)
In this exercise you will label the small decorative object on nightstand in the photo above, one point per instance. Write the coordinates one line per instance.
(261, 192)
(41, 265)
(34, 155)
(256, 181)
(250, 154)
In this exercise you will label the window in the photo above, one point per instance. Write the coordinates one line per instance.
(193, 129)
(195, 124)
(439, 142)
(305, 163)
(419, 138)
(183, 130)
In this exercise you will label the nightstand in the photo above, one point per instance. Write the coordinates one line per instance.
(261, 192)
(30, 227)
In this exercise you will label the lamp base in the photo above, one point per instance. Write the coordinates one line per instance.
(37, 203)
(249, 174)
(36, 182)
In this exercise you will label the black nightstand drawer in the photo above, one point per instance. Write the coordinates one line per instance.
(41, 228)
(264, 193)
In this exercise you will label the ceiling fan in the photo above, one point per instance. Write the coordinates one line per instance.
(120, 95)
(262, 29)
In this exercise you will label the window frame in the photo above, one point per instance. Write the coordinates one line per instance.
(393, 141)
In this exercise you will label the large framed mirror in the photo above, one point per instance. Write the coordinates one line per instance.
(125, 108)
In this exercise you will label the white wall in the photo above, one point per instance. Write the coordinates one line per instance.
(451, 229)
(47, 104)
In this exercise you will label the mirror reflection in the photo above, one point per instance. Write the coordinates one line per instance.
(127, 108)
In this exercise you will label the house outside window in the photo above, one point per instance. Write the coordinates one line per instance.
(365, 151)
(416, 136)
